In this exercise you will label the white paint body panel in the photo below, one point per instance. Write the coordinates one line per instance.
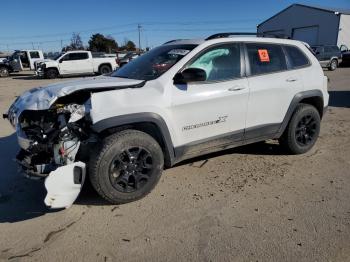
(60, 186)
(344, 31)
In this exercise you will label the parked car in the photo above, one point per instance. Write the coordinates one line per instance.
(76, 63)
(180, 100)
(127, 58)
(329, 56)
(345, 55)
(20, 60)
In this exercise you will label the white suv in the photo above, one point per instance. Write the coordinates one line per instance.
(180, 100)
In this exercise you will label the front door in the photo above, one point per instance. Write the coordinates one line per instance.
(76, 63)
(211, 114)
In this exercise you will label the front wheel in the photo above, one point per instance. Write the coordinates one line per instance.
(302, 131)
(4, 72)
(126, 167)
(333, 65)
(51, 73)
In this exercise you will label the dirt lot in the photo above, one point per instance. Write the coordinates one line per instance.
(247, 204)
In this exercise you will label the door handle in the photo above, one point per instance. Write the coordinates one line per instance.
(236, 88)
(290, 80)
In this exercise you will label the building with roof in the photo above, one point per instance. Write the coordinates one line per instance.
(312, 24)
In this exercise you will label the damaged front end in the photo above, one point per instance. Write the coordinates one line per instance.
(53, 126)
(50, 141)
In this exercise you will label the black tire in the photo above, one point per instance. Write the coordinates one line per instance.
(333, 65)
(4, 72)
(302, 130)
(105, 69)
(126, 167)
(51, 73)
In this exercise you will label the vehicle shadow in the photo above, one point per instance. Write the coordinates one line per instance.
(339, 98)
(20, 198)
(261, 148)
(26, 77)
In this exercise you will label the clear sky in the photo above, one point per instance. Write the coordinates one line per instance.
(45, 23)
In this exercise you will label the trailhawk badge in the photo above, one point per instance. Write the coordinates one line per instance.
(221, 119)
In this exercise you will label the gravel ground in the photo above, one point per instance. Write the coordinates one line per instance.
(247, 204)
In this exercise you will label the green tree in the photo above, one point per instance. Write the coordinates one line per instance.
(128, 45)
(100, 43)
(75, 43)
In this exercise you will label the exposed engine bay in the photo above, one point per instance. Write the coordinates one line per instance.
(50, 141)
(51, 138)
(54, 131)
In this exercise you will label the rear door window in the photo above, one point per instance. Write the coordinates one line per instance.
(265, 58)
(296, 57)
(34, 54)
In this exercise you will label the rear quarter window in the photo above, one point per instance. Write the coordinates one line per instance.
(296, 57)
(265, 58)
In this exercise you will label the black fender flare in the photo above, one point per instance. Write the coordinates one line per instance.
(137, 118)
(293, 105)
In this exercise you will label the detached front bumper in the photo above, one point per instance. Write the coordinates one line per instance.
(64, 185)
(40, 72)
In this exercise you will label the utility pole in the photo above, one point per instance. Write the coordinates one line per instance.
(33, 45)
(139, 29)
(61, 44)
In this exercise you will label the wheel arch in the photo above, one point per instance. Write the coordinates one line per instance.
(105, 64)
(311, 97)
(150, 123)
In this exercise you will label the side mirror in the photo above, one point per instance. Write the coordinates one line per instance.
(61, 60)
(190, 75)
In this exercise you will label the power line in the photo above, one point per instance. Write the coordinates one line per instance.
(191, 23)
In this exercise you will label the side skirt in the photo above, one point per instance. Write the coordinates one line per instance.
(226, 141)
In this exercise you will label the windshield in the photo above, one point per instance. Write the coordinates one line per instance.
(57, 56)
(154, 63)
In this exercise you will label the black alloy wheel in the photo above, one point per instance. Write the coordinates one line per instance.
(131, 170)
(306, 130)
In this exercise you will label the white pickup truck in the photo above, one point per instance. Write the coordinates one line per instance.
(75, 63)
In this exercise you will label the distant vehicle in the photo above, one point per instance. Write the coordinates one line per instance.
(20, 60)
(345, 55)
(329, 56)
(75, 63)
(127, 58)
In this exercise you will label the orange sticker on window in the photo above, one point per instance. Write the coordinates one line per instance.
(264, 55)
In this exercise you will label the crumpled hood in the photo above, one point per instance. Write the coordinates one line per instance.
(42, 98)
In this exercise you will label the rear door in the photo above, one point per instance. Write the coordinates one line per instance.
(272, 87)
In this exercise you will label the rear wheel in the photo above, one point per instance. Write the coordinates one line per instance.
(51, 73)
(4, 72)
(302, 131)
(333, 65)
(105, 69)
(127, 167)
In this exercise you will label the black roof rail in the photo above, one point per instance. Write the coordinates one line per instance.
(228, 34)
(174, 40)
